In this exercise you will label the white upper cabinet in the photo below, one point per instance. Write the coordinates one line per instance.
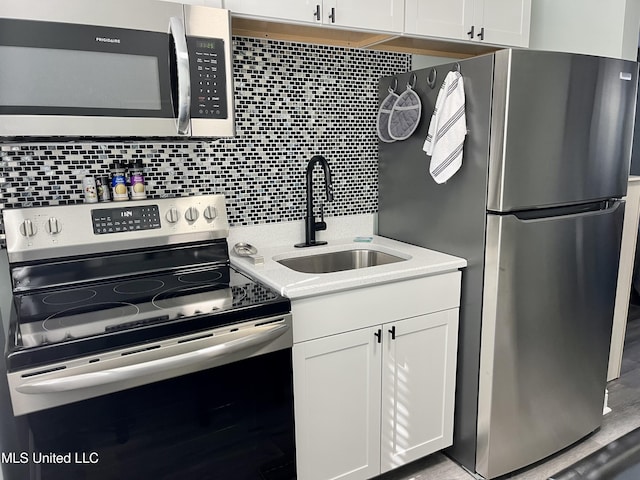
(386, 15)
(206, 3)
(303, 11)
(501, 22)
(505, 22)
(438, 18)
(379, 15)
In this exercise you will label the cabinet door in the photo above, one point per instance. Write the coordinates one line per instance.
(206, 3)
(418, 386)
(294, 10)
(451, 18)
(337, 406)
(505, 22)
(366, 14)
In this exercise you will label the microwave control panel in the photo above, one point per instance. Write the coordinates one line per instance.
(208, 83)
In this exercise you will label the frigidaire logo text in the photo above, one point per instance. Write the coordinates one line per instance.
(107, 40)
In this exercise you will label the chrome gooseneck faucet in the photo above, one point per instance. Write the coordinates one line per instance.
(310, 224)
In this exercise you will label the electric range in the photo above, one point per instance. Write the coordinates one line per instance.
(112, 296)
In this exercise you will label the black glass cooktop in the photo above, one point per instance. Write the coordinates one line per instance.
(66, 322)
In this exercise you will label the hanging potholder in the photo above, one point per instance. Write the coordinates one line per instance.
(383, 116)
(405, 114)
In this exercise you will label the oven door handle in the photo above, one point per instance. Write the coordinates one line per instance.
(176, 30)
(254, 336)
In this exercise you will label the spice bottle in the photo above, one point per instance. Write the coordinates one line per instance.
(136, 179)
(104, 189)
(118, 182)
(90, 191)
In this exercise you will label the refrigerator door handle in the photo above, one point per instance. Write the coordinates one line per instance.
(605, 206)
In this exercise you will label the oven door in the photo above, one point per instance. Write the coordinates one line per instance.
(50, 385)
(230, 422)
(221, 411)
(75, 79)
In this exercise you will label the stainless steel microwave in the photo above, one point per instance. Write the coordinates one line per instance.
(116, 68)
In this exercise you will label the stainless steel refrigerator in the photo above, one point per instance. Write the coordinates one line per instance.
(536, 211)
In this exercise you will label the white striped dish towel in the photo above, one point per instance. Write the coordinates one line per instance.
(447, 129)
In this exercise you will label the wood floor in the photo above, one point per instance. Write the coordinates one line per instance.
(624, 401)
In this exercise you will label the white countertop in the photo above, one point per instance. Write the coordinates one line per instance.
(419, 262)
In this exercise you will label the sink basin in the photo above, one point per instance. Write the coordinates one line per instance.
(339, 261)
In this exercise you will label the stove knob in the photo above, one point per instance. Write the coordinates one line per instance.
(191, 214)
(53, 226)
(210, 213)
(28, 229)
(172, 215)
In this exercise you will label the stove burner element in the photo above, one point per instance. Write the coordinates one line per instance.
(138, 286)
(200, 277)
(193, 300)
(69, 297)
(77, 322)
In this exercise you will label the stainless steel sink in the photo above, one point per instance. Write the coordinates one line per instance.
(339, 261)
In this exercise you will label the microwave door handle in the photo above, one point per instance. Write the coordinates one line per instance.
(176, 30)
(250, 338)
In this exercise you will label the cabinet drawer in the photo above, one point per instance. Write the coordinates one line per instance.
(324, 315)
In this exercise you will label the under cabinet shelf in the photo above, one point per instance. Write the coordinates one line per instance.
(246, 27)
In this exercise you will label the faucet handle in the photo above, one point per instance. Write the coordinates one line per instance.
(321, 225)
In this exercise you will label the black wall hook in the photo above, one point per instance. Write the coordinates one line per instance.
(412, 81)
(393, 88)
(431, 78)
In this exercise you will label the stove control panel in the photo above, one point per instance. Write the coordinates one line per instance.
(127, 219)
(68, 230)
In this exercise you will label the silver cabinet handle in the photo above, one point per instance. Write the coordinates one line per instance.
(176, 30)
(254, 336)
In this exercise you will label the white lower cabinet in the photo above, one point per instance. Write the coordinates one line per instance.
(375, 398)
(337, 403)
(418, 387)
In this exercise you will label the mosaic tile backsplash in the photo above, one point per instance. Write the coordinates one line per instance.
(292, 101)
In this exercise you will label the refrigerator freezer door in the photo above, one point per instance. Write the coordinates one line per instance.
(562, 129)
(548, 310)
